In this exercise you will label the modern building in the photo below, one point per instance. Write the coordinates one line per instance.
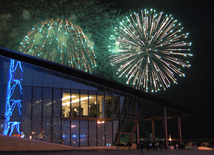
(46, 101)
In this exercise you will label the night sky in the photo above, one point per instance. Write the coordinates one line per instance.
(195, 90)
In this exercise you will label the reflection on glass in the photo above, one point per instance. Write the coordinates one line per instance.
(37, 101)
(26, 108)
(108, 108)
(100, 130)
(75, 104)
(26, 126)
(101, 139)
(66, 99)
(123, 105)
(115, 128)
(75, 139)
(47, 102)
(92, 105)
(116, 105)
(75, 133)
(92, 139)
(46, 130)
(56, 131)
(108, 133)
(66, 132)
(100, 100)
(36, 128)
(57, 102)
(83, 133)
(27, 93)
(84, 104)
(92, 133)
(109, 139)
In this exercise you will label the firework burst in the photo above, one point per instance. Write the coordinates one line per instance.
(149, 50)
(60, 41)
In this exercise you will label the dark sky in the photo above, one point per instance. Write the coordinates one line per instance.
(196, 89)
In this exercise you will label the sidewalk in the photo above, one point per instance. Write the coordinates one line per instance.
(115, 152)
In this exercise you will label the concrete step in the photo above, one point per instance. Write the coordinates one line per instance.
(10, 143)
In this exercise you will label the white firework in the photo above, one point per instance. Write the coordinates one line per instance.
(149, 49)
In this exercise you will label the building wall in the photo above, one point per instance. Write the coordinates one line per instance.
(63, 109)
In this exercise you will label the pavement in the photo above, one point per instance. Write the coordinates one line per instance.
(114, 152)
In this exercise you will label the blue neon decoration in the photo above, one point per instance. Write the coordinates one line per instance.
(12, 83)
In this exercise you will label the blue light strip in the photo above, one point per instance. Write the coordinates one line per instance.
(10, 102)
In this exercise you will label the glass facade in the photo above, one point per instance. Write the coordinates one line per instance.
(58, 107)
(63, 109)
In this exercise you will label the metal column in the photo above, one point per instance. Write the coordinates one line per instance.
(153, 130)
(179, 130)
(165, 128)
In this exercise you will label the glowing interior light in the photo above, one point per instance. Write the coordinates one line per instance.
(73, 126)
(100, 122)
(65, 98)
(82, 99)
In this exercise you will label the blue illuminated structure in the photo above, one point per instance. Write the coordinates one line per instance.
(11, 103)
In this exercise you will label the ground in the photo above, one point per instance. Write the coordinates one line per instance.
(116, 152)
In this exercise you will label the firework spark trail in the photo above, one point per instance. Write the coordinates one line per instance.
(60, 41)
(149, 50)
